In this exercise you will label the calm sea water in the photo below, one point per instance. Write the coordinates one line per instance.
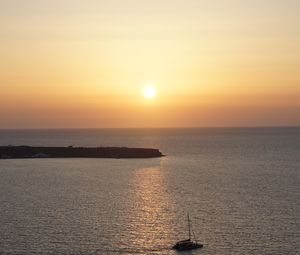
(240, 186)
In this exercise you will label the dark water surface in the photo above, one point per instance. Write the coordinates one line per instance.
(240, 186)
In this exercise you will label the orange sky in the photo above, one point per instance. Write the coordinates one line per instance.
(84, 63)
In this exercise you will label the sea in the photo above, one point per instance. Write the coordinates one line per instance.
(240, 186)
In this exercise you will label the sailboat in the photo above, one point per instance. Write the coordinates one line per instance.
(188, 244)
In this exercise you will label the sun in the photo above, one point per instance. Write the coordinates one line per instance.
(149, 91)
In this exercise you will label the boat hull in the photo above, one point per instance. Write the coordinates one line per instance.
(184, 246)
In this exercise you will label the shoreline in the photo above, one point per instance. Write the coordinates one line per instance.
(24, 151)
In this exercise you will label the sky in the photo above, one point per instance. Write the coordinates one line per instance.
(84, 64)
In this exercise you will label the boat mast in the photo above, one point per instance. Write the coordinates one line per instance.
(189, 225)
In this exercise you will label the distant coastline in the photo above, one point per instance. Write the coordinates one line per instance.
(24, 151)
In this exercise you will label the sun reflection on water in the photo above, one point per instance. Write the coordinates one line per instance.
(152, 211)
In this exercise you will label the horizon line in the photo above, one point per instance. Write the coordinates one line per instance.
(171, 127)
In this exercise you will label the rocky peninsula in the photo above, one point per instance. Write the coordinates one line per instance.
(18, 152)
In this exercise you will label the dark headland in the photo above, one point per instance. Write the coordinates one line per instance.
(14, 152)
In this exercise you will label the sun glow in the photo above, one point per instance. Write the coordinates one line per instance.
(149, 91)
